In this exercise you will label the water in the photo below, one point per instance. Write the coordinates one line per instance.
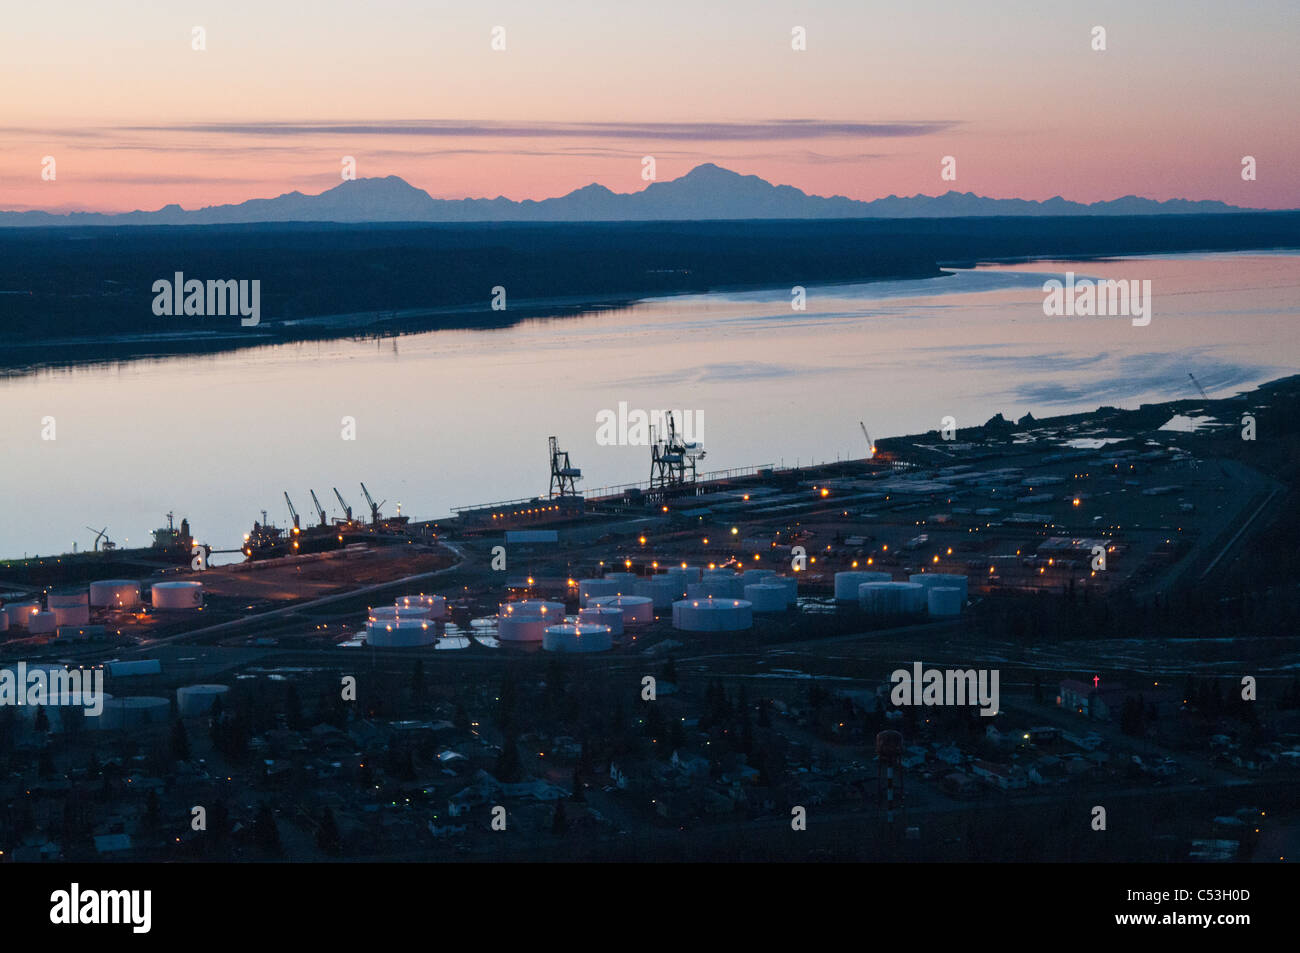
(454, 418)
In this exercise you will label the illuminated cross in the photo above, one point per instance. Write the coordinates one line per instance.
(1095, 680)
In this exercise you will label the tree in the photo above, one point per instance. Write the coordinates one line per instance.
(42, 720)
(327, 832)
(461, 718)
(579, 794)
(152, 812)
(293, 709)
(180, 741)
(560, 823)
(508, 767)
(265, 833)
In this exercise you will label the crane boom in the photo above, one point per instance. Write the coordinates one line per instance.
(320, 510)
(871, 447)
(374, 507)
(347, 510)
(1204, 395)
(292, 511)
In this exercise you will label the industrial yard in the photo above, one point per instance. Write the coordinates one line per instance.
(708, 651)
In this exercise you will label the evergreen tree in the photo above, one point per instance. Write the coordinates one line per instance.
(265, 832)
(327, 832)
(180, 741)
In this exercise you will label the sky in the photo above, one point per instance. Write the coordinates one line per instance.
(135, 117)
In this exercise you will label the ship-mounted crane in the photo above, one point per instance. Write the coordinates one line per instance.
(320, 510)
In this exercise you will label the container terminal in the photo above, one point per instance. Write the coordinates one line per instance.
(1002, 542)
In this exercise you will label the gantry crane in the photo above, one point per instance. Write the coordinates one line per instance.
(564, 475)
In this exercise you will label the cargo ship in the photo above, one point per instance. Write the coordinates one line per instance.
(172, 546)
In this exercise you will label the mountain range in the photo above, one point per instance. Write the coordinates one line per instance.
(707, 192)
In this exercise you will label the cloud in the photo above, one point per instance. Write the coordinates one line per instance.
(769, 130)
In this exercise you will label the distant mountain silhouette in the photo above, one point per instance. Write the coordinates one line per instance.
(707, 192)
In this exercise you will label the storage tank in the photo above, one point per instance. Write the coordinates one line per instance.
(437, 605)
(766, 597)
(944, 600)
(791, 586)
(577, 638)
(62, 707)
(592, 588)
(659, 590)
(400, 633)
(115, 593)
(518, 627)
(624, 580)
(389, 613)
(176, 595)
(949, 580)
(198, 699)
(20, 613)
(892, 598)
(552, 612)
(70, 607)
(636, 609)
(610, 616)
(712, 615)
(752, 576)
(135, 712)
(682, 576)
(42, 623)
(846, 583)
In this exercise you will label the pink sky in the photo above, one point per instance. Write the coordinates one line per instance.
(124, 104)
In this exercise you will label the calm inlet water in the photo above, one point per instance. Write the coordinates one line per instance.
(452, 418)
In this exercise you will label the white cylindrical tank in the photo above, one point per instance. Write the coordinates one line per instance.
(636, 609)
(945, 579)
(592, 588)
(42, 623)
(610, 616)
(944, 600)
(713, 615)
(552, 612)
(135, 712)
(846, 583)
(176, 595)
(577, 638)
(683, 576)
(62, 707)
(401, 633)
(517, 627)
(437, 605)
(20, 613)
(766, 597)
(892, 598)
(198, 699)
(389, 613)
(70, 607)
(115, 593)
(624, 580)
(791, 586)
(752, 576)
(661, 591)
